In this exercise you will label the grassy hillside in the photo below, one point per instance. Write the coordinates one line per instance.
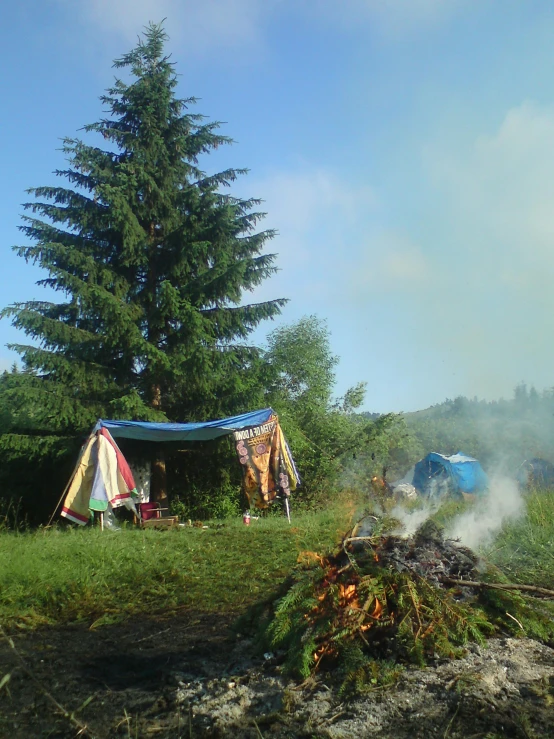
(524, 549)
(500, 433)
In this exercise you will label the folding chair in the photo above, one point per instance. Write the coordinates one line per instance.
(150, 516)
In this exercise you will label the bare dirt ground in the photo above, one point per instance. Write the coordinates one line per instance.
(191, 677)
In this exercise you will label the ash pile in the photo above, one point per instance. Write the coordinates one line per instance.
(426, 554)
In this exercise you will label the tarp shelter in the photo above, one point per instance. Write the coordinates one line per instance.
(102, 479)
(536, 472)
(437, 475)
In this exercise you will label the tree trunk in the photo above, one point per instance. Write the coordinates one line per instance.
(158, 480)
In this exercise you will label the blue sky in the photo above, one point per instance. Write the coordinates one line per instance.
(404, 150)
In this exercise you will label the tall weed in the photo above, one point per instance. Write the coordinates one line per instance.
(524, 549)
(12, 517)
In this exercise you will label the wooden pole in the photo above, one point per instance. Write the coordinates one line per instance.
(287, 508)
(158, 474)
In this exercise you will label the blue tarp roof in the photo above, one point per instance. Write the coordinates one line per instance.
(465, 472)
(146, 431)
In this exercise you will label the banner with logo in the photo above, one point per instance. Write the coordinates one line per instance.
(267, 465)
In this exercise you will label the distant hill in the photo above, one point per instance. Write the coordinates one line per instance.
(503, 432)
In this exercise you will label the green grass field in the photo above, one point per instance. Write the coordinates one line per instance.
(76, 575)
(85, 575)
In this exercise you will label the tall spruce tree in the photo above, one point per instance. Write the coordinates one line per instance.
(152, 258)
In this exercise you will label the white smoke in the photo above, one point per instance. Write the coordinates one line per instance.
(411, 520)
(479, 525)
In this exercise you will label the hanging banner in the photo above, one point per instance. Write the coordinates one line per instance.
(266, 468)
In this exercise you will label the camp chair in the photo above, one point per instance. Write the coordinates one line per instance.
(150, 515)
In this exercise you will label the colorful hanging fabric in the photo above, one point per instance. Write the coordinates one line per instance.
(266, 462)
(102, 480)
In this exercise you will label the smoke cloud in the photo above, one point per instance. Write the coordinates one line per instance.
(479, 525)
(411, 520)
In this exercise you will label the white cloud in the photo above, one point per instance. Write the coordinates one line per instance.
(390, 17)
(404, 14)
(319, 217)
(406, 265)
(298, 201)
(385, 265)
(502, 191)
(193, 25)
(201, 25)
(401, 261)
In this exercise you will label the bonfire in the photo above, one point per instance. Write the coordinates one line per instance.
(386, 599)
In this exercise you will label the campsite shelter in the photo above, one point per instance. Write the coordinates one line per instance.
(536, 473)
(102, 479)
(437, 475)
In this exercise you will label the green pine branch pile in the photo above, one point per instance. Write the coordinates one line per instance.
(378, 603)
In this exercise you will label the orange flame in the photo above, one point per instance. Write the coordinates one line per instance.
(308, 558)
(378, 610)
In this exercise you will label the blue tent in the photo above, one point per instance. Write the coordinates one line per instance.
(437, 475)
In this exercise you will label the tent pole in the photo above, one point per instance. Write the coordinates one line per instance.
(287, 508)
(61, 498)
